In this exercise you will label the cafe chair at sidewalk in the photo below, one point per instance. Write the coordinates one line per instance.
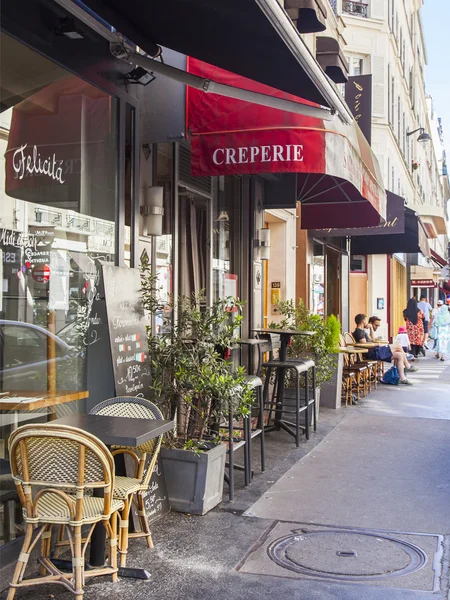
(376, 367)
(53, 466)
(241, 432)
(132, 489)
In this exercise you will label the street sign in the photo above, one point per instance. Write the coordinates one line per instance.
(41, 273)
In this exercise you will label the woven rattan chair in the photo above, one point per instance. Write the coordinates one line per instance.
(376, 367)
(145, 456)
(52, 466)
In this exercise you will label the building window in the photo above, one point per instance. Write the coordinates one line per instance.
(358, 263)
(356, 66)
(392, 101)
(356, 9)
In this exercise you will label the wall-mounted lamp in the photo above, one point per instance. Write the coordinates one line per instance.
(68, 28)
(262, 244)
(423, 138)
(139, 76)
(152, 211)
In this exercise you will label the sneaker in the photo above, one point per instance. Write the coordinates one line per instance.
(405, 382)
(412, 369)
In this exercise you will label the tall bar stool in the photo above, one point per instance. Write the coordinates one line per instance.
(249, 432)
(254, 379)
(280, 402)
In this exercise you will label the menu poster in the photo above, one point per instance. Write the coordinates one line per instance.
(127, 330)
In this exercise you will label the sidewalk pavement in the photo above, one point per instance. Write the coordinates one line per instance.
(368, 498)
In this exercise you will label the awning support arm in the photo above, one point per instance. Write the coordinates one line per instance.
(213, 87)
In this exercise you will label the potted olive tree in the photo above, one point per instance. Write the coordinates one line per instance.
(321, 347)
(194, 384)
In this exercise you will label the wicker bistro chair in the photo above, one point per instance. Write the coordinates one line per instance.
(376, 367)
(52, 466)
(129, 489)
(357, 374)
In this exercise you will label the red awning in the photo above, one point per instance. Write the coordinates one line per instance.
(438, 259)
(339, 180)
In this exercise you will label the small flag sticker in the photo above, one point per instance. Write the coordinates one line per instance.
(139, 345)
(140, 356)
(135, 337)
(121, 347)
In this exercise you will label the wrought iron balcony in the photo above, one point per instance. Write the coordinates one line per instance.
(357, 9)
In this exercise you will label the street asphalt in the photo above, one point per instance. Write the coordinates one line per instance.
(382, 467)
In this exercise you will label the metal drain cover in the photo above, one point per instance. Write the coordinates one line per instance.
(345, 554)
(348, 555)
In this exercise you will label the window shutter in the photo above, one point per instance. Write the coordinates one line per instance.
(377, 9)
(378, 86)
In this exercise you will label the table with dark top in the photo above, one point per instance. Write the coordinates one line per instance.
(285, 337)
(115, 431)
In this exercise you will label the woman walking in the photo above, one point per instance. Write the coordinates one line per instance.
(414, 326)
(442, 324)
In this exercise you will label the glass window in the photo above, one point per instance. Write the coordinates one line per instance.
(226, 231)
(58, 168)
(318, 279)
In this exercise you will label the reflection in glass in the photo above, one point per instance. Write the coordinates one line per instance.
(318, 280)
(58, 168)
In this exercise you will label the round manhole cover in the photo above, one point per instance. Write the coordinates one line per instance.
(349, 555)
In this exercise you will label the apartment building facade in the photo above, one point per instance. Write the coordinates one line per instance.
(385, 38)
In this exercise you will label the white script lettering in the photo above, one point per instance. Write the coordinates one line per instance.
(30, 164)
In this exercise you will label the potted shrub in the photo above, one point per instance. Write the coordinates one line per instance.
(194, 384)
(322, 347)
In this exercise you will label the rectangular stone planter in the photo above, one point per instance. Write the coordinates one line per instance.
(194, 481)
(330, 396)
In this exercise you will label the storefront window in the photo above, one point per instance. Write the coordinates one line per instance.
(318, 279)
(57, 225)
(226, 227)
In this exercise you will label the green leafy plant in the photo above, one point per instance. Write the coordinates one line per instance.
(191, 380)
(321, 347)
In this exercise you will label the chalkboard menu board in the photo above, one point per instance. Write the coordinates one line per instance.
(131, 365)
(127, 330)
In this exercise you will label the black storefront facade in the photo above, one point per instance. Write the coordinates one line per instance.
(85, 147)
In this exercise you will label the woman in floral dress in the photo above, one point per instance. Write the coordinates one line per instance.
(414, 326)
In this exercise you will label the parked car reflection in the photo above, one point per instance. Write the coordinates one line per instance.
(24, 362)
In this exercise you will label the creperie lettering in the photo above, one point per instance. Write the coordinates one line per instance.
(254, 154)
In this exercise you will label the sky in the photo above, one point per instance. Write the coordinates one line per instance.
(436, 26)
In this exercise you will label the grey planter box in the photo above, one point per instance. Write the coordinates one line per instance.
(194, 481)
(330, 395)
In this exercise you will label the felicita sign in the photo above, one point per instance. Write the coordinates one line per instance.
(28, 162)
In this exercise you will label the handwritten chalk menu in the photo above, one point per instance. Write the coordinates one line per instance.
(156, 500)
(127, 330)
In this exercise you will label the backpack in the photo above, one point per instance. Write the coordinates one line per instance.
(391, 377)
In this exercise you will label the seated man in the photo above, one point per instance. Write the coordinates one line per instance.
(380, 351)
(373, 325)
